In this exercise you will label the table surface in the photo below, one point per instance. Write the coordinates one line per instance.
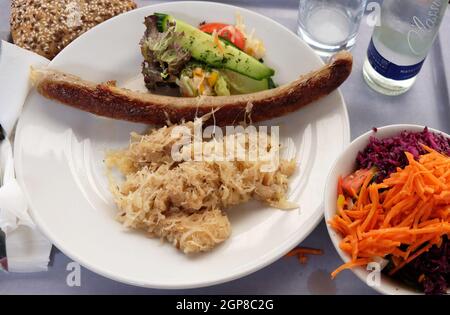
(428, 103)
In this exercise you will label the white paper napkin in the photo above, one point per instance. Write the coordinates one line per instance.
(27, 250)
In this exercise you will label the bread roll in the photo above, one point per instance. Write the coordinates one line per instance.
(47, 26)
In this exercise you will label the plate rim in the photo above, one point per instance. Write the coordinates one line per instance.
(275, 254)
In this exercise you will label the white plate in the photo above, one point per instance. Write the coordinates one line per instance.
(59, 159)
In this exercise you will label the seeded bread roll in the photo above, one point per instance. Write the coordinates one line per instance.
(47, 26)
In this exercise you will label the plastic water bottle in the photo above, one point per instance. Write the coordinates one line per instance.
(400, 43)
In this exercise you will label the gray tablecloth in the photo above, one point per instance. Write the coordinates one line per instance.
(427, 103)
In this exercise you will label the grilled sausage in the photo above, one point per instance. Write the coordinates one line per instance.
(108, 100)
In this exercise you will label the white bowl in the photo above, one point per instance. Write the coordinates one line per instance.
(344, 165)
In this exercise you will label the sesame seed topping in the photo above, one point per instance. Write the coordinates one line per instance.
(47, 26)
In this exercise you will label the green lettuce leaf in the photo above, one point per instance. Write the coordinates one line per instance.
(164, 58)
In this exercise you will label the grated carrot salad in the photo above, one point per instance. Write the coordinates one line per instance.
(404, 216)
(302, 252)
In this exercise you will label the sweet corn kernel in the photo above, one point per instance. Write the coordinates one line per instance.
(198, 72)
(201, 89)
(212, 78)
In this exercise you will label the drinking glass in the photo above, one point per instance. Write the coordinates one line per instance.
(330, 25)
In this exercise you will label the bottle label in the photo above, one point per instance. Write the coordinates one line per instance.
(391, 70)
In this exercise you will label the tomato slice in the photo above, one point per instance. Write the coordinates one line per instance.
(352, 183)
(226, 31)
(211, 27)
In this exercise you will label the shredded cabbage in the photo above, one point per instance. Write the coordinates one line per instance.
(183, 202)
(253, 45)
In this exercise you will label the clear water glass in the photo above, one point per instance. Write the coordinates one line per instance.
(329, 26)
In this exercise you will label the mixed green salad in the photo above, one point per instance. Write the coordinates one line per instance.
(214, 59)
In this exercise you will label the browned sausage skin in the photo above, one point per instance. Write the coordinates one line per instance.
(110, 101)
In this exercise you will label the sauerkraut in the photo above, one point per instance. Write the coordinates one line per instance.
(184, 201)
(253, 45)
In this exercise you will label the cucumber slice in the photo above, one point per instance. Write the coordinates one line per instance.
(203, 47)
(240, 84)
